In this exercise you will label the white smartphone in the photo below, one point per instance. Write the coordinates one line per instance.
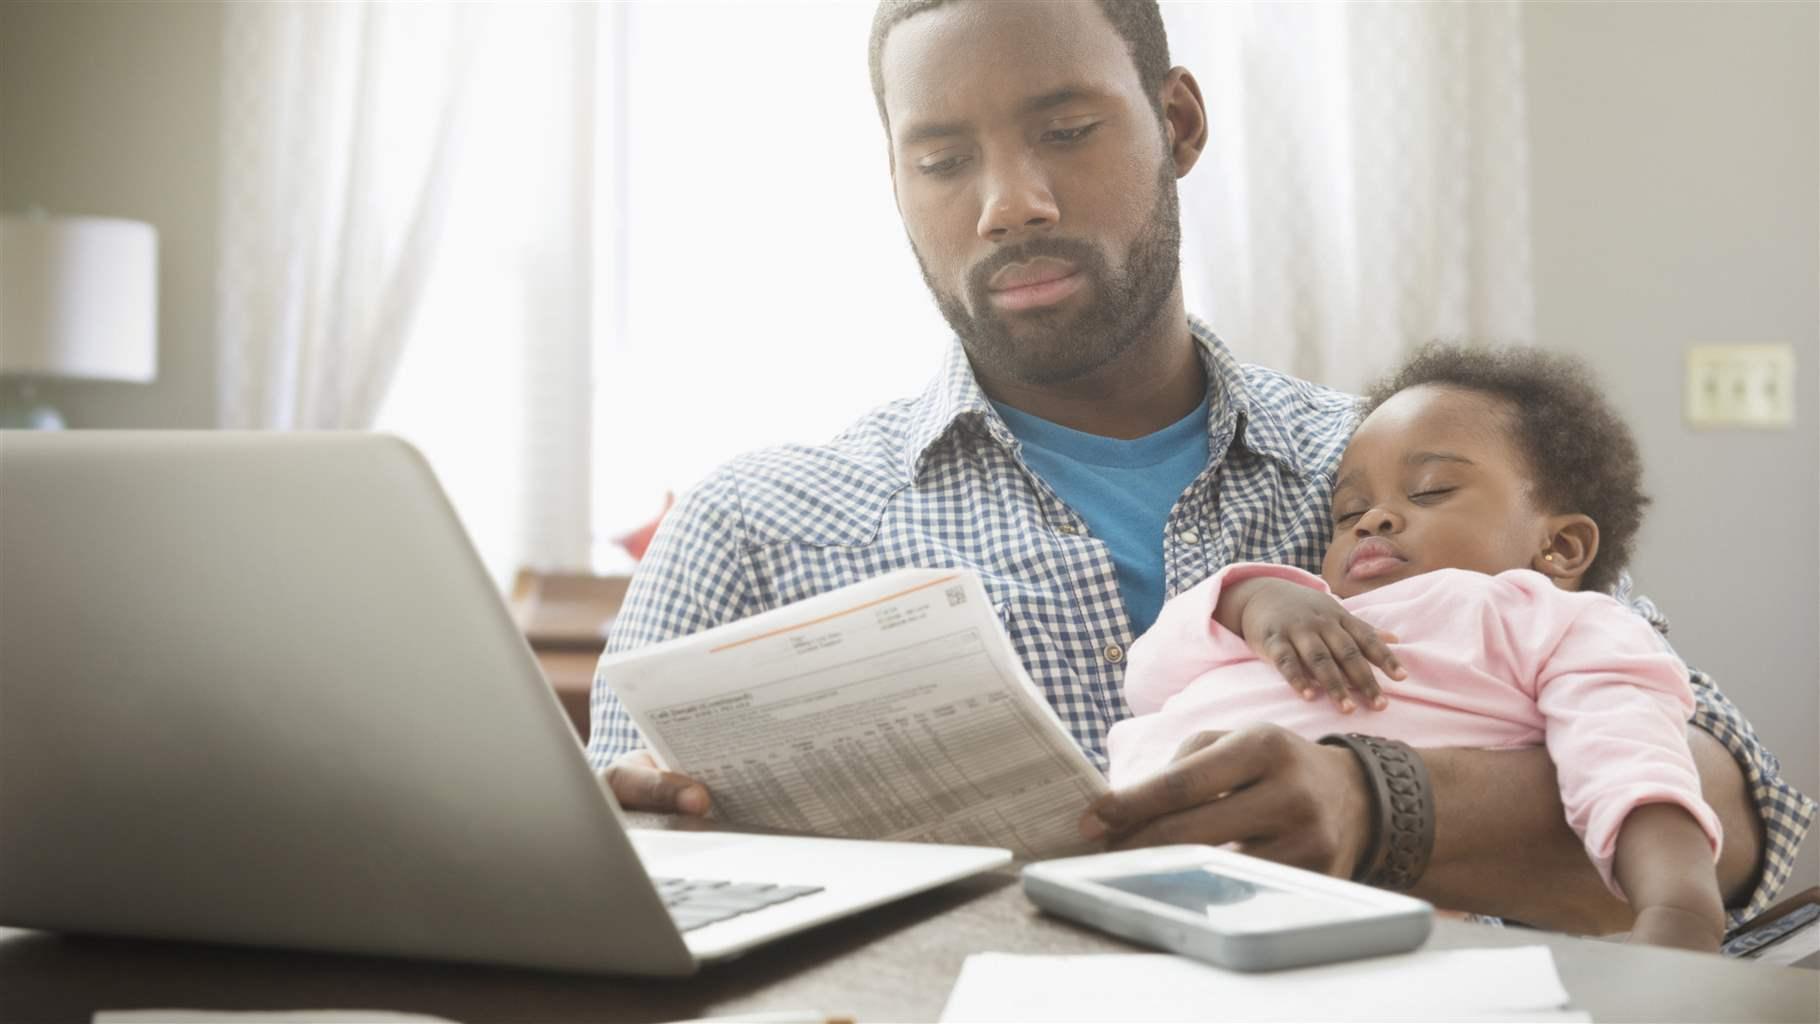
(1228, 909)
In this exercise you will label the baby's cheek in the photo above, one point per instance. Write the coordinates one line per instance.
(1332, 567)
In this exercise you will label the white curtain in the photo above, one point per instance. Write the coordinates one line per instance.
(341, 135)
(1366, 186)
(497, 384)
(759, 289)
(407, 235)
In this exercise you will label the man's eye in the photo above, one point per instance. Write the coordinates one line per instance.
(1069, 134)
(943, 168)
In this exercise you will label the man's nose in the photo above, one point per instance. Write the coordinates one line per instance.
(1377, 521)
(1017, 199)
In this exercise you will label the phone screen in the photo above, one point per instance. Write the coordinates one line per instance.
(1236, 903)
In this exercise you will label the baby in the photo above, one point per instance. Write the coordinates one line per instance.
(1485, 502)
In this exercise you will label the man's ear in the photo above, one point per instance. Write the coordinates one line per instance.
(1569, 549)
(1184, 119)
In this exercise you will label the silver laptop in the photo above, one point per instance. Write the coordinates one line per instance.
(259, 689)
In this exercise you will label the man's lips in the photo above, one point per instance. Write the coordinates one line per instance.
(1040, 282)
(1374, 557)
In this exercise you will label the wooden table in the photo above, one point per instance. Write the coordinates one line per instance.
(896, 963)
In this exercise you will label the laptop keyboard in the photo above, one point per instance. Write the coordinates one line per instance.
(695, 902)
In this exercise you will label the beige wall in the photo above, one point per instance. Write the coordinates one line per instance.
(1676, 173)
(111, 109)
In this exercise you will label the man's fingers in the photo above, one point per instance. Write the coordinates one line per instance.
(1286, 850)
(1232, 818)
(1296, 811)
(1094, 827)
(639, 785)
(1200, 740)
(1230, 762)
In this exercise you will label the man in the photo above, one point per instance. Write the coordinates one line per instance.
(1090, 449)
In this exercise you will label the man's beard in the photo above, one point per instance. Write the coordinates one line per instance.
(1053, 346)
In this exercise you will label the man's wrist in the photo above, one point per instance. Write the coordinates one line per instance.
(1357, 812)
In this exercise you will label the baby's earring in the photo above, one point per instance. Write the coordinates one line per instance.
(1549, 557)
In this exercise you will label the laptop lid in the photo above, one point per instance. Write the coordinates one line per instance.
(258, 688)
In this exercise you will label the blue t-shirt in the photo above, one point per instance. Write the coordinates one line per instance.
(1125, 491)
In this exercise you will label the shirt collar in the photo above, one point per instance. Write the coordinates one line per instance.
(950, 401)
(1260, 425)
(953, 400)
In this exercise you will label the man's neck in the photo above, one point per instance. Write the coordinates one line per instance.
(1153, 383)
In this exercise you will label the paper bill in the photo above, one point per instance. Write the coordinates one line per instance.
(891, 709)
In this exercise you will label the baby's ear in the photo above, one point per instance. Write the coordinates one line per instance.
(1568, 551)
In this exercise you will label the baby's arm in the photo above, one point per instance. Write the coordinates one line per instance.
(1295, 623)
(1616, 704)
(1664, 863)
(1187, 639)
(1275, 612)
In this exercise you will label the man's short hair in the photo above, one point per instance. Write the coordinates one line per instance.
(1138, 22)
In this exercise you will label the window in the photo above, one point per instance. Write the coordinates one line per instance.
(762, 288)
(674, 239)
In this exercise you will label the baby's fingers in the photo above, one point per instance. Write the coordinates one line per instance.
(1351, 661)
(1323, 662)
(1374, 645)
(1279, 651)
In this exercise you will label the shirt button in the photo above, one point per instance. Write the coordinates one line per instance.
(1065, 529)
(1115, 653)
(1189, 537)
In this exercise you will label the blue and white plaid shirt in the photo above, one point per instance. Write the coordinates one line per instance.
(938, 482)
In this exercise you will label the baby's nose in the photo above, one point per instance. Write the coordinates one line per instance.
(1377, 520)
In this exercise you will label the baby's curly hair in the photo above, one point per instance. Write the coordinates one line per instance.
(1582, 458)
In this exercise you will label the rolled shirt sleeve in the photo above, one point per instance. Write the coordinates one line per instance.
(1786, 812)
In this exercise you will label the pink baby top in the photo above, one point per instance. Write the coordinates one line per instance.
(1493, 661)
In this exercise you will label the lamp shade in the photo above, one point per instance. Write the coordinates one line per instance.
(78, 298)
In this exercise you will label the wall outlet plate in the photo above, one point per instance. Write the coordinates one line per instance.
(1750, 386)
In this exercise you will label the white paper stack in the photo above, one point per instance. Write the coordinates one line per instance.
(1517, 984)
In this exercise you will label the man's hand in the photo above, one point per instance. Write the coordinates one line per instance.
(1274, 794)
(639, 785)
(1312, 640)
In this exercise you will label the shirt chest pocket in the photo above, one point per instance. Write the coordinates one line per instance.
(1064, 662)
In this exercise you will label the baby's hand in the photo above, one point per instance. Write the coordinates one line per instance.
(1314, 641)
(1676, 928)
